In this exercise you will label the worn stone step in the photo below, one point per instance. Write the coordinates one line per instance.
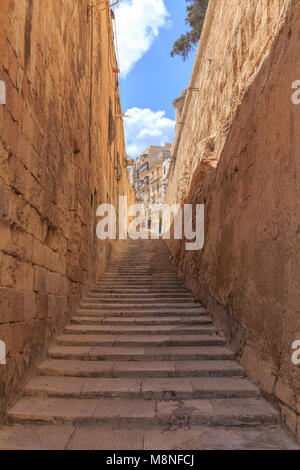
(148, 267)
(136, 283)
(147, 388)
(233, 412)
(138, 270)
(141, 290)
(140, 329)
(149, 289)
(136, 276)
(107, 438)
(158, 280)
(131, 306)
(147, 321)
(148, 277)
(91, 310)
(165, 277)
(159, 341)
(139, 280)
(187, 353)
(143, 299)
(141, 296)
(146, 285)
(80, 368)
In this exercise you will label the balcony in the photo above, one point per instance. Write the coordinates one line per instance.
(144, 167)
(144, 182)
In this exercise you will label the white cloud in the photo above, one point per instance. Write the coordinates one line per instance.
(144, 127)
(138, 23)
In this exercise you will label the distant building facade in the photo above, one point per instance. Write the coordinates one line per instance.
(150, 175)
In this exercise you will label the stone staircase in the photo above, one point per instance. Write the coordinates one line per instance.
(141, 366)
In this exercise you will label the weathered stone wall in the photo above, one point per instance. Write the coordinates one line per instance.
(60, 143)
(239, 153)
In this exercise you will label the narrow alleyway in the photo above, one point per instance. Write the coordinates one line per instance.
(142, 367)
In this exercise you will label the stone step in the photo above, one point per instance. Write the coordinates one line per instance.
(154, 283)
(139, 276)
(148, 277)
(169, 277)
(91, 353)
(136, 274)
(132, 269)
(149, 269)
(139, 280)
(147, 388)
(140, 340)
(151, 305)
(141, 265)
(91, 310)
(158, 280)
(107, 438)
(166, 275)
(140, 291)
(80, 368)
(150, 266)
(147, 321)
(141, 295)
(142, 299)
(225, 412)
(137, 283)
(140, 329)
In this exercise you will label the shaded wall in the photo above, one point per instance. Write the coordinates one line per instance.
(61, 154)
(247, 174)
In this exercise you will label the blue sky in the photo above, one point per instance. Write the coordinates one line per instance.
(150, 78)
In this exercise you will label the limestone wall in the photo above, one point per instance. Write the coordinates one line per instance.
(238, 152)
(60, 143)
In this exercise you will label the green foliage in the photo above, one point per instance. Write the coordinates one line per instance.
(196, 10)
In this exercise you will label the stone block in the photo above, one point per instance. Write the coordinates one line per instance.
(11, 305)
(285, 394)
(24, 276)
(29, 306)
(5, 236)
(290, 418)
(40, 279)
(7, 270)
(42, 306)
(21, 244)
(4, 201)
